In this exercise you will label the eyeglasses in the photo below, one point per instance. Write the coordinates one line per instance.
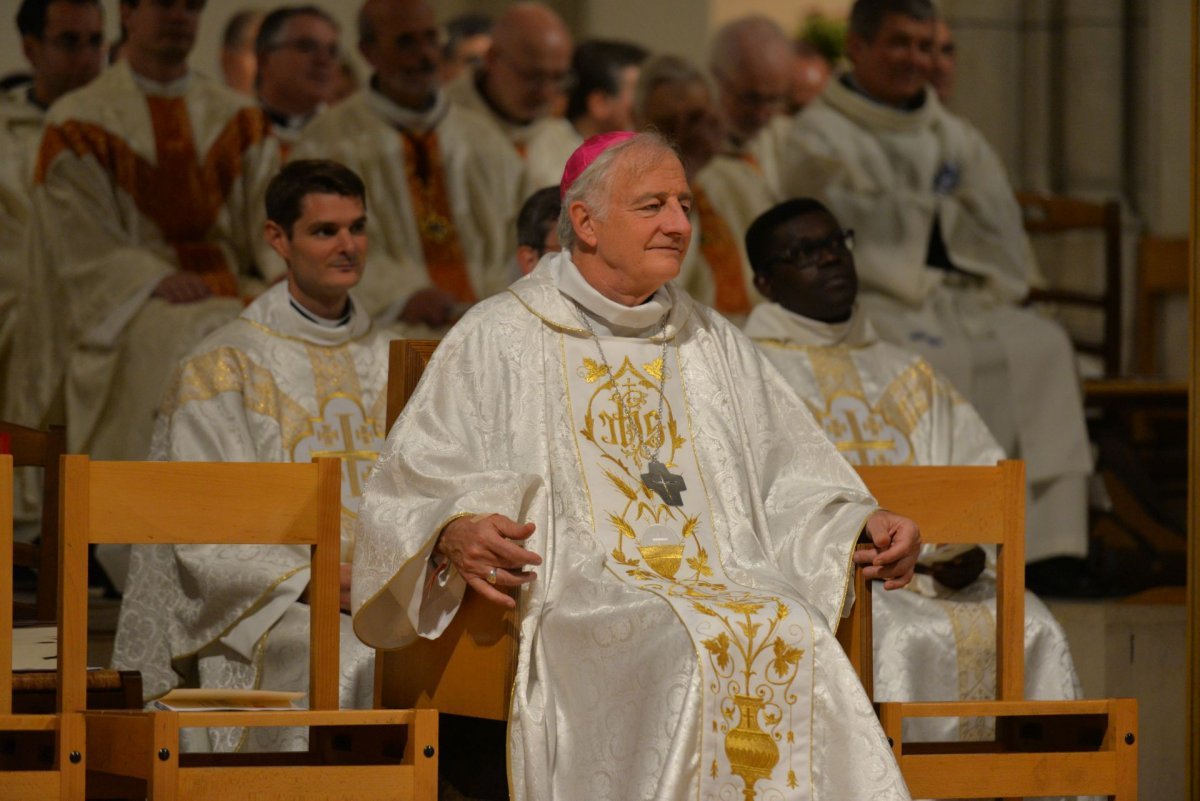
(810, 253)
(73, 43)
(562, 81)
(310, 47)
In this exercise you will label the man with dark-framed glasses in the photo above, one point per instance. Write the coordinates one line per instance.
(880, 404)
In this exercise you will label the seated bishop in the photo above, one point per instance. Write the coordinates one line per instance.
(943, 257)
(881, 405)
(301, 373)
(444, 185)
(674, 530)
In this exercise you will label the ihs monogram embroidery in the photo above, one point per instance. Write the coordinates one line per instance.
(757, 672)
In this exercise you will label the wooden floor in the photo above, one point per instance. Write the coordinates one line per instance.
(1136, 647)
(1127, 647)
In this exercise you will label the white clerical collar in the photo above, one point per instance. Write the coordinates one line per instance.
(324, 322)
(175, 88)
(616, 318)
(406, 118)
(771, 322)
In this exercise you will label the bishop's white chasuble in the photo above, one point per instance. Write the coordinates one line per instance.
(271, 386)
(881, 405)
(677, 643)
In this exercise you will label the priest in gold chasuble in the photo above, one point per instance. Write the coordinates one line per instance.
(879, 404)
(680, 529)
(301, 373)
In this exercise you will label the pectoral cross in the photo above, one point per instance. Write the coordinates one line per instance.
(662, 481)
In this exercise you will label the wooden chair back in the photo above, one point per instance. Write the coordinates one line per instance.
(407, 359)
(1055, 214)
(1042, 748)
(1163, 269)
(31, 447)
(969, 505)
(468, 670)
(205, 503)
(380, 753)
(6, 584)
(65, 780)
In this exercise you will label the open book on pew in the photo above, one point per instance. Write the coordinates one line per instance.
(220, 700)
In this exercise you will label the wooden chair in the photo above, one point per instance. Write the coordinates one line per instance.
(1163, 269)
(1041, 748)
(33, 448)
(1054, 215)
(449, 673)
(65, 779)
(379, 753)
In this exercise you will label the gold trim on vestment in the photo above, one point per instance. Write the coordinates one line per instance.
(253, 606)
(785, 345)
(586, 333)
(750, 658)
(974, 630)
(268, 330)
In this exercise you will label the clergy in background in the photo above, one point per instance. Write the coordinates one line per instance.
(444, 185)
(675, 98)
(301, 373)
(297, 68)
(942, 253)
(142, 237)
(753, 64)
(525, 72)
(63, 40)
(676, 531)
(880, 405)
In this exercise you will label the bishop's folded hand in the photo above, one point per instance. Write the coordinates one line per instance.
(893, 556)
(487, 551)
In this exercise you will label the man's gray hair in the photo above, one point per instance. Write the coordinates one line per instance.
(593, 187)
(866, 17)
(663, 70)
(731, 46)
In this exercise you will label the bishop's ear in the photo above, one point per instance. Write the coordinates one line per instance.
(584, 223)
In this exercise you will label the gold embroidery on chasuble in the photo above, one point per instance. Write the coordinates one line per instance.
(974, 630)
(342, 428)
(754, 649)
(863, 432)
(444, 257)
(180, 192)
(721, 252)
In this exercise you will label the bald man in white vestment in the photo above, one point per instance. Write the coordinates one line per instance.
(677, 530)
(942, 254)
(301, 373)
(443, 185)
(525, 71)
(882, 405)
(673, 97)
